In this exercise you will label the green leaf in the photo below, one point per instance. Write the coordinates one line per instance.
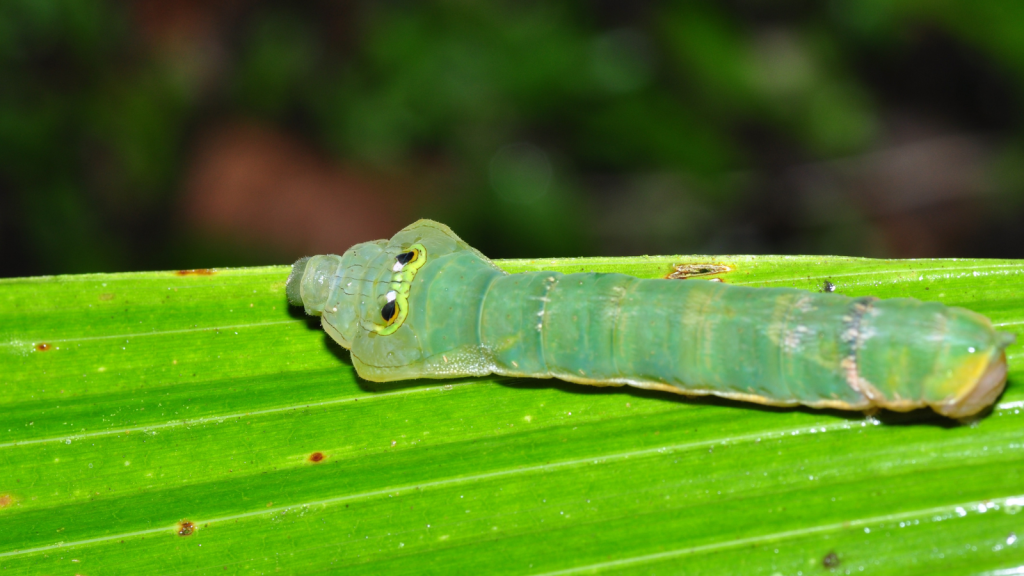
(193, 422)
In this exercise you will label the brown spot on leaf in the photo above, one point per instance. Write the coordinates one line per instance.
(684, 271)
(186, 528)
(6, 500)
(196, 272)
(316, 456)
(106, 296)
(831, 560)
(42, 346)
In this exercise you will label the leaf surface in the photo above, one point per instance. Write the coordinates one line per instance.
(192, 422)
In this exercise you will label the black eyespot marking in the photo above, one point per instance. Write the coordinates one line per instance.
(389, 312)
(406, 257)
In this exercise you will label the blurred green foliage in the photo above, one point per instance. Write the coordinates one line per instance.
(563, 128)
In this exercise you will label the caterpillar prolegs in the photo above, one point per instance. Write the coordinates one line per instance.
(427, 305)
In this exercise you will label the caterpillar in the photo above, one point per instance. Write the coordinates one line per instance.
(427, 305)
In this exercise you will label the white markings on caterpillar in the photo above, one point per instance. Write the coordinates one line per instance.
(551, 281)
(792, 339)
(391, 296)
(397, 267)
(804, 304)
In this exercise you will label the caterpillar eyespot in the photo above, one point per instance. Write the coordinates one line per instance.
(406, 257)
(463, 316)
(389, 312)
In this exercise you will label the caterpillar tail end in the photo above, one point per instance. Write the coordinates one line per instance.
(987, 389)
(294, 283)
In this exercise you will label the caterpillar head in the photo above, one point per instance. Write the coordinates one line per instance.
(365, 290)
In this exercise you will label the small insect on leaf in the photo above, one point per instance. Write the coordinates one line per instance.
(831, 560)
(186, 528)
(684, 271)
(196, 272)
(827, 286)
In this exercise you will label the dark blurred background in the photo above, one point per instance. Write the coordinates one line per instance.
(163, 134)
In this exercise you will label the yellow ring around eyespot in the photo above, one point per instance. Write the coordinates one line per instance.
(401, 282)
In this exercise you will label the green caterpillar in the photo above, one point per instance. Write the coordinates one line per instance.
(427, 305)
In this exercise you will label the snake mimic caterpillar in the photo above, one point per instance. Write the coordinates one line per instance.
(427, 305)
